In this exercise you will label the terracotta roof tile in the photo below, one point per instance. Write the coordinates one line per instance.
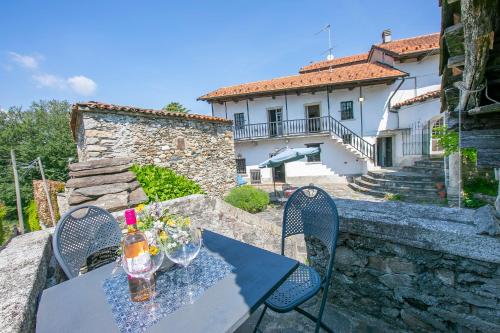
(326, 64)
(99, 106)
(337, 76)
(418, 99)
(406, 46)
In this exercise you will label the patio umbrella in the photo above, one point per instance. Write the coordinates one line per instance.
(288, 155)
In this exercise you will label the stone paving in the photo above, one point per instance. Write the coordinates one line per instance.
(339, 320)
(274, 213)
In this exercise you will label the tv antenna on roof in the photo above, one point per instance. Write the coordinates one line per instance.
(330, 49)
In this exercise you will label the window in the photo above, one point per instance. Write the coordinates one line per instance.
(239, 120)
(241, 166)
(346, 111)
(436, 125)
(316, 157)
(255, 176)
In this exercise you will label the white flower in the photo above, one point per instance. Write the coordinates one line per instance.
(158, 224)
(149, 236)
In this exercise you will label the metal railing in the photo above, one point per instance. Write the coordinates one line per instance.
(417, 139)
(297, 127)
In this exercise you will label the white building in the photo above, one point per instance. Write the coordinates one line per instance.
(363, 111)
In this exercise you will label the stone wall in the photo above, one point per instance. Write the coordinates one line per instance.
(419, 268)
(23, 265)
(201, 150)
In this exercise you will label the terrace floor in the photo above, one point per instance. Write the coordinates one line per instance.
(340, 320)
(274, 213)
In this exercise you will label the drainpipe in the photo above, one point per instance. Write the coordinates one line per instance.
(225, 108)
(248, 114)
(361, 100)
(212, 105)
(286, 111)
(286, 105)
(390, 99)
(328, 100)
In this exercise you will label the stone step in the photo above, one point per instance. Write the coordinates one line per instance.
(396, 189)
(425, 170)
(406, 176)
(430, 163)
(391, 183)
(428, 199)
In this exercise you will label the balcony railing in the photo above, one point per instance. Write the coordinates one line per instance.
(298, 127)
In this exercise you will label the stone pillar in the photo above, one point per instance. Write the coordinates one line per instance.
(453, 189)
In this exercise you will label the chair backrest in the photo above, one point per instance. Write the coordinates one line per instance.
(81, 232)
(312, 212)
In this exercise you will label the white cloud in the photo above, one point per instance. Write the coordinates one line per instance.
(49, 80)
(24, 60)
(79, 84)
(82, 85)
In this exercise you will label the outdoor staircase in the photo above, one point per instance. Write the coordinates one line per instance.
(418, 183)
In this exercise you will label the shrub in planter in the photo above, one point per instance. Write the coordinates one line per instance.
(248, 198)
(164, 184)
(32, 212)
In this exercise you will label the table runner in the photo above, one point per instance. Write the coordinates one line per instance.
(205, 271)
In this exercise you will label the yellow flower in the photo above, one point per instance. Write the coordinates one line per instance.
(171, 223)
(153, 250)
(163, 236)
(139, 208)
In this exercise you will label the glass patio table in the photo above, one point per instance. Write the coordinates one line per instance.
(82, 305)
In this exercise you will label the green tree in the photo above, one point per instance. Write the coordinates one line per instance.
(41, 130)
(175, 107)
(3, 212)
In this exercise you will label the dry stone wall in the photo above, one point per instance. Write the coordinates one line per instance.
(419, 268)
(200, 150)
(106, 183)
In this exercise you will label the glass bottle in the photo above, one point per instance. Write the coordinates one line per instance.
(137, 256)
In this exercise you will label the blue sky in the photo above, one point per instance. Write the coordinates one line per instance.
(150, 53)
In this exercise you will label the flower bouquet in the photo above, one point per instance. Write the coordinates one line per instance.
(163, 230)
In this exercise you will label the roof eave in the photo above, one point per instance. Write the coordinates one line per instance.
(342, 85)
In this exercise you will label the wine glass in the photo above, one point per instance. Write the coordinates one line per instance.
(182, 245)
(145, 273)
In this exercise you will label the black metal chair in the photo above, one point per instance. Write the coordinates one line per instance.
(312, 212)
(82, 232)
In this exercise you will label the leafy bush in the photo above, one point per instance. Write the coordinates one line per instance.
(32, 214)
(484, 185)
(164, 184)
(392, 196)
(3, 213)
(448, 139)
(471, 202)
(248, 198)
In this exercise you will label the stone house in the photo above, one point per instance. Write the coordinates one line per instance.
(197, 146)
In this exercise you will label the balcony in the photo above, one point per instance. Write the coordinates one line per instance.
(301, 127)
(295, 127)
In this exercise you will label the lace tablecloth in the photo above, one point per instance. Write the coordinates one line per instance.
(205, 271)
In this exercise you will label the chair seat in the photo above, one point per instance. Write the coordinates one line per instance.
(303, 284)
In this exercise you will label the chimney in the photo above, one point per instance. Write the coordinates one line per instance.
(386, 36)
